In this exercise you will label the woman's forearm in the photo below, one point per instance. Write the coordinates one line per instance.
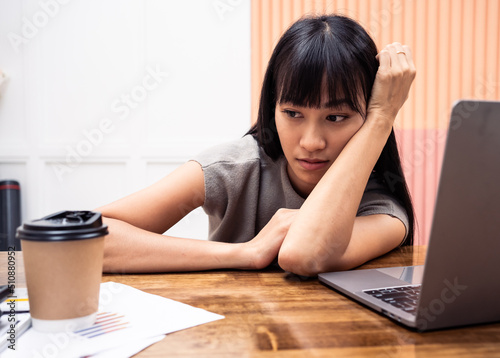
(129, 249)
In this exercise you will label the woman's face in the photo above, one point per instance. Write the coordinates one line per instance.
(312, 139)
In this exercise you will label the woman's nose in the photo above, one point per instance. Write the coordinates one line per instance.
(312, 139)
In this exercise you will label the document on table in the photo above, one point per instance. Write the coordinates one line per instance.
(128, 321)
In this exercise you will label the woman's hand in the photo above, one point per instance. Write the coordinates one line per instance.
(392, 83)
(264, 247)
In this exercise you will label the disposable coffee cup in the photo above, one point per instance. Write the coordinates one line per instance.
(63, 255)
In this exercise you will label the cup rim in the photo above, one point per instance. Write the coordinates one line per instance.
(64, 226)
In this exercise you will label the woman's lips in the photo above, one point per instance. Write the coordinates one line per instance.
(312, 164)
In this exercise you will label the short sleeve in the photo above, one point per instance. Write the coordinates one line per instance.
(377, 199)
(232, 177)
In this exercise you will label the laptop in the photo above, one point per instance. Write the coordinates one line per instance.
(459, 284)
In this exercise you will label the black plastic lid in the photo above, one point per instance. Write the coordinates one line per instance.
(64, 225)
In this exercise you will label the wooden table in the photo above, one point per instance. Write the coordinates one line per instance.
(272, 313)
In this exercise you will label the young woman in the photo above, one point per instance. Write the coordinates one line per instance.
(316, 183)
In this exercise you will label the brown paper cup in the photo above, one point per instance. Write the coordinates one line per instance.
(63, 276)
(63, 280)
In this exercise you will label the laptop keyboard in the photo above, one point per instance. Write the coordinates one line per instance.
(404, 297)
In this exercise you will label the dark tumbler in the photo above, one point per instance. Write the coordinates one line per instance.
(10, 215)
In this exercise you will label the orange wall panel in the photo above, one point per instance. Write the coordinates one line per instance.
(456, 48)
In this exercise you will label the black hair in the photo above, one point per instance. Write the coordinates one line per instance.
(332, 53)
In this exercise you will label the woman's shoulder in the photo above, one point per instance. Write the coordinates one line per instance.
(242, 150)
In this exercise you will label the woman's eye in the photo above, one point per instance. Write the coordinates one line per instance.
(292, 114)
(336, 118)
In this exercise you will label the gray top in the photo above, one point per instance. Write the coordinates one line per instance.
(244, 187)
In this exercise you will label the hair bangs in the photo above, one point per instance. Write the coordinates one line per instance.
(317, 74)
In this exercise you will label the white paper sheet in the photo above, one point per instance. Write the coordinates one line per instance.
(129, 320)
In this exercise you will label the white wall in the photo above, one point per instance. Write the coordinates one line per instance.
(105, 97)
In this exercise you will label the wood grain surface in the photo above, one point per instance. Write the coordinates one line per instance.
(273, 313)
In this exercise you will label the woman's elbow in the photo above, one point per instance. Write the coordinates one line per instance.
(310, 264)
(299, 262)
